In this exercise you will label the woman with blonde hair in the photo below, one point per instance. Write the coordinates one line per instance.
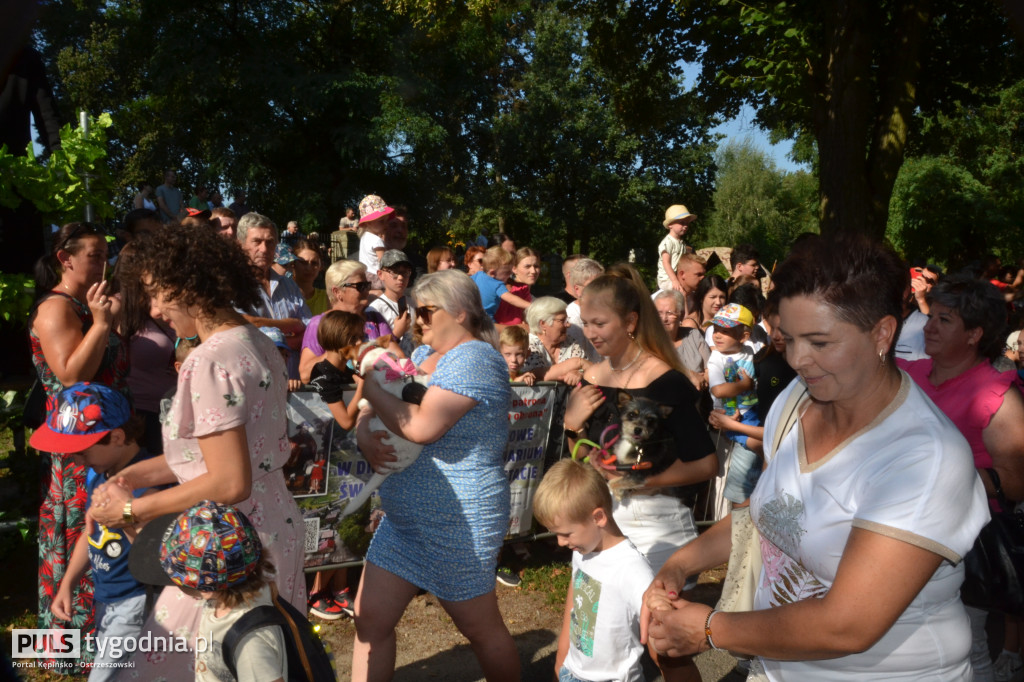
(348, 290)
(446, 514)
(621, 322)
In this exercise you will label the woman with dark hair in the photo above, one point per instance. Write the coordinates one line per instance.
(150, 353)
(712, 294)
(525, 271)
(868, 502)
(73, 337)
(447, 513)
(225, 434)
(964, 334)
(143, 198)
(639, 361)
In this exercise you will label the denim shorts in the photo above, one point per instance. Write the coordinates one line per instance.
(744, 470)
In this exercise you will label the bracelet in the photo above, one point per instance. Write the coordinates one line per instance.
(707, 629)
(126, 514)
(573, 433)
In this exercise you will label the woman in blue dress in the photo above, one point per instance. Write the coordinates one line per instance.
(447, 514)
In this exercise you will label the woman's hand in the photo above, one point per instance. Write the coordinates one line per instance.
(572, 378)
(583, 401)
(100, 304)
(378, 454)
(679, 631)
(108, 502)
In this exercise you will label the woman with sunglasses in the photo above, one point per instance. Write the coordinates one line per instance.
(474, 260)
(73, 338)
(447, 513)
(348, 290)
(225, 433)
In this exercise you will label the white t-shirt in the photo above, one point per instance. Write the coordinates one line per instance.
(389, 311)
(368, 256)
(908, 475)
(725, 368)
(604, 627)
(910, 344)
(260, 656)
(674, 248)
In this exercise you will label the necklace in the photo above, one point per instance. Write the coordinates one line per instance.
(630, 375)
(639, 352)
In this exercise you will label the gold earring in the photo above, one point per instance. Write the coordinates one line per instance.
(881, 356)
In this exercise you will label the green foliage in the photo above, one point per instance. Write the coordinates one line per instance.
(16, 296)
(849, 81)
(755, 203)
(57, 186)
(560, 123)
(552, 579)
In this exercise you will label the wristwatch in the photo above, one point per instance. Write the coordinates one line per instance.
(126, 514)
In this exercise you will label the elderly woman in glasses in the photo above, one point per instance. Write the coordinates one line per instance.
(447, 514)
(348, 290)
(558, 351)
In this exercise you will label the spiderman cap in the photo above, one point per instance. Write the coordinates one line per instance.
(84, 414)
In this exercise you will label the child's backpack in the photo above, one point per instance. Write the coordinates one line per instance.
(308, 658)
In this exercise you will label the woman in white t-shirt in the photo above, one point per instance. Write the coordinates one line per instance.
(865, 509)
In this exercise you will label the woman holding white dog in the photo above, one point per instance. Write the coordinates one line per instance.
(447, 513)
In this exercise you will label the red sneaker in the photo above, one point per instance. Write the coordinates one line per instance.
(324, 606)
(344, 603)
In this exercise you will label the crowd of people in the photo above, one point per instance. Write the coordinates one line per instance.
(833, 389)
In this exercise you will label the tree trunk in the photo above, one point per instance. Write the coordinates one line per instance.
(861, 133)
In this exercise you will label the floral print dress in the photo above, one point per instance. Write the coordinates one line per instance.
(62, 511)
(236, 377)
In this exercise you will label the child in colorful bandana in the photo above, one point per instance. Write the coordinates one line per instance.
(214, 550)
(95, 423)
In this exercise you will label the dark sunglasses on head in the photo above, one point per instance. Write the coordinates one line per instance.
(425, 312)
(361, 287)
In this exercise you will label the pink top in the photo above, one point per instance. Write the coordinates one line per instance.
(508, 313)
(151, 376)
(969, 400)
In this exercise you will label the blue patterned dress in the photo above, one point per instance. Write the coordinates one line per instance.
(447, 514)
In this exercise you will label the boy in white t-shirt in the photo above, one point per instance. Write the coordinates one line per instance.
(394, 306)
(731, 370)
(677, 222)
(600, 638)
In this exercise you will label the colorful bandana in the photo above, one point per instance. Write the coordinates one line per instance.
(210, 547)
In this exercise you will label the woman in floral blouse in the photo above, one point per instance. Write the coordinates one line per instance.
(225, 435)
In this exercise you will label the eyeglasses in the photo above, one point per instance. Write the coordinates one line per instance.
(425, 312)
(79, 230)
(314, 263)
(361, 287)
(398, 272)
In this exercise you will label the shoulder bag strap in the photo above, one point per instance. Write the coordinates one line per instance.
(788, 420)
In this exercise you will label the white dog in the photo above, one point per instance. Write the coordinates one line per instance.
(400, 378)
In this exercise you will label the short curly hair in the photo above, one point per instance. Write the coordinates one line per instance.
(194, 266)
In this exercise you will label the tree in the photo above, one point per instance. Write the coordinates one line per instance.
(960, 195)
(755, 203)
(564, 123)
(850, 75)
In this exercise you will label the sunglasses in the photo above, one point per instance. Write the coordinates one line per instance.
(361, 287)
(80, 230)
(425, 312)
